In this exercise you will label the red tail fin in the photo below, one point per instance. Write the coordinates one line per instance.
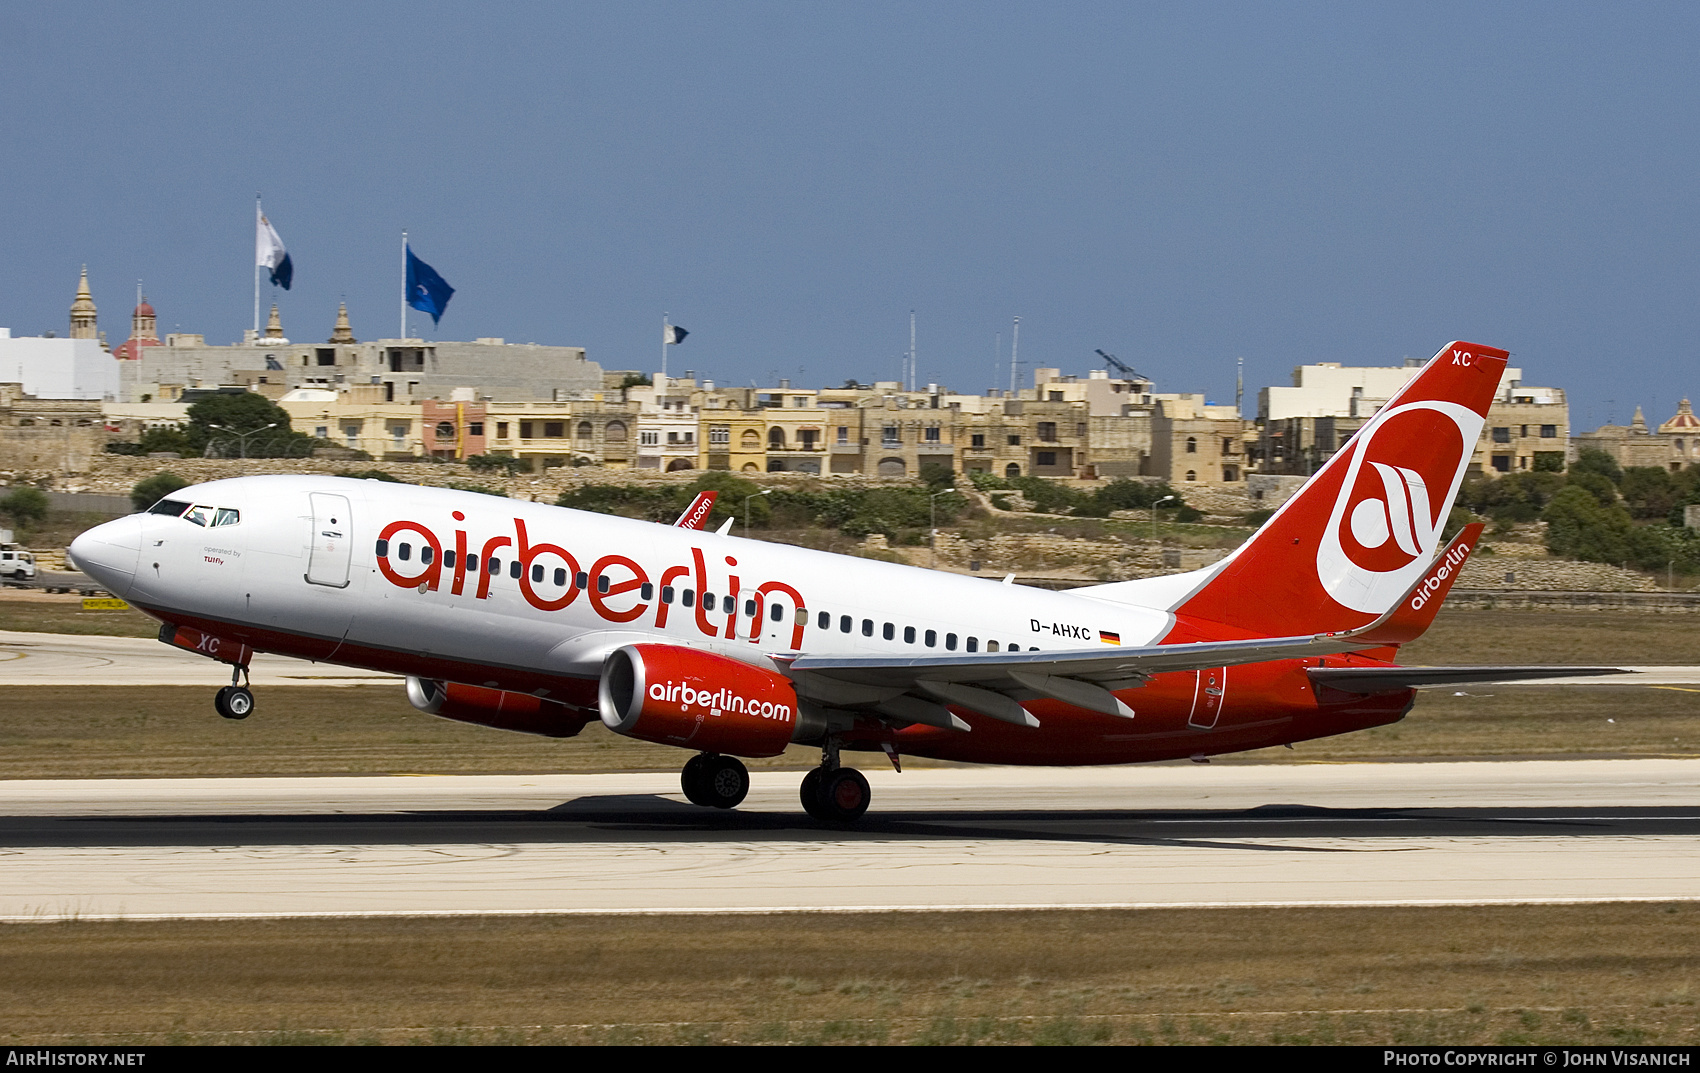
(1361, 531)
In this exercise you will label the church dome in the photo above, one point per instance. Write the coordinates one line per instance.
(1684, 421)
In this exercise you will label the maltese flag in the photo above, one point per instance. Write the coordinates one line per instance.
(270, 255)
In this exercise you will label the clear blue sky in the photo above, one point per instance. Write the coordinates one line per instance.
(1180, 184)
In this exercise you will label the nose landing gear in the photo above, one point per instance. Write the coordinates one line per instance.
(236, 700)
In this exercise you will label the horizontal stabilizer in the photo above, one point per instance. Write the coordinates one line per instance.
(1396, 679)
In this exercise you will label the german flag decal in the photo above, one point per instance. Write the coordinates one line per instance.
(1109, 638)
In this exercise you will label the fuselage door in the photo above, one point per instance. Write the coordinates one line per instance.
(333, 531)
(1207, 697)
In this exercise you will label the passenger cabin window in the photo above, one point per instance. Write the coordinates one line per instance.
(666, 594)
(515, 569)
(867, 627)
(171, 507)
(889, 632)
(449, 559)
(908, 635)
(560, 576)
(494, 565)
(404, 552)
(844, 623)
(425, 554)
(472, 564)
(950, 641)
(973, 644)
(932, 638)
(383, 549)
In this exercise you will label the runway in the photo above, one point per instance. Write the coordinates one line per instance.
(1179, 835)
(60, 659)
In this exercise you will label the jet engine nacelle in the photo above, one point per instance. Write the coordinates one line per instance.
(684, 697)
(496, 708)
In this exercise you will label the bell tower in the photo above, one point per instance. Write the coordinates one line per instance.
(343, 332)
(83, 313)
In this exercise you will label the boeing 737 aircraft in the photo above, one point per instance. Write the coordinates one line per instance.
(539, 619)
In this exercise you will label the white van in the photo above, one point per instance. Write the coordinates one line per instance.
(17, 564)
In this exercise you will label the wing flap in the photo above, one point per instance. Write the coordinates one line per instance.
(1396, 679)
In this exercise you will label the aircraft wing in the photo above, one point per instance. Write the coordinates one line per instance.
(1109, 662)
(916, 688)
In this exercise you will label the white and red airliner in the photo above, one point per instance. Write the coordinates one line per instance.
(539, 619)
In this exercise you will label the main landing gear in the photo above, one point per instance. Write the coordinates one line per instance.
(834, 794)
(236, 700)
(714, 780)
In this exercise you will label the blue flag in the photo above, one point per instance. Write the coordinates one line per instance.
(426, 291)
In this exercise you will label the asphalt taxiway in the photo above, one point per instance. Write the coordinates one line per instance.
(1188, 835)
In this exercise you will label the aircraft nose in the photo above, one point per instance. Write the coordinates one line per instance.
(108, 553)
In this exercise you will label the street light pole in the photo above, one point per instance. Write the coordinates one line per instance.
(1154, 507)
(747, 499)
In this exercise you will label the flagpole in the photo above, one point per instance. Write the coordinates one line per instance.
(664, 348)
(404, 285)
(257, 215)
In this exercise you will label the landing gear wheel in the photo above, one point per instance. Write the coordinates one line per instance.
(692, 780)
(715, 781)
(810, 793)
(234, 702)
(840, 796)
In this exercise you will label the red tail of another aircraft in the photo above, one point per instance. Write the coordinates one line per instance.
(1363, 530)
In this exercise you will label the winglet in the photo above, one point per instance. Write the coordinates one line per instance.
(696, 515)
(1415, 613)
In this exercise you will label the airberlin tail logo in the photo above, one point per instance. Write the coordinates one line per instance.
(1402, 514)
(1403, 471)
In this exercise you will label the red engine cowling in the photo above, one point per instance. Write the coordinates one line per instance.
(496, 708)
(697, 700)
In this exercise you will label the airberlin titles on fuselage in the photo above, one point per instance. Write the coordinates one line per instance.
(551, 578)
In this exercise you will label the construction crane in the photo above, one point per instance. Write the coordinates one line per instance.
(1119, 365)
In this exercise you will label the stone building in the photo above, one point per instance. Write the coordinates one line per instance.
(49, 434)
(405, 369)
(1676, 443)
(1194, 442)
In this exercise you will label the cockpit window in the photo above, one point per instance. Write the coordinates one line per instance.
(227, 516)
(199, 515)
(172, 507)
